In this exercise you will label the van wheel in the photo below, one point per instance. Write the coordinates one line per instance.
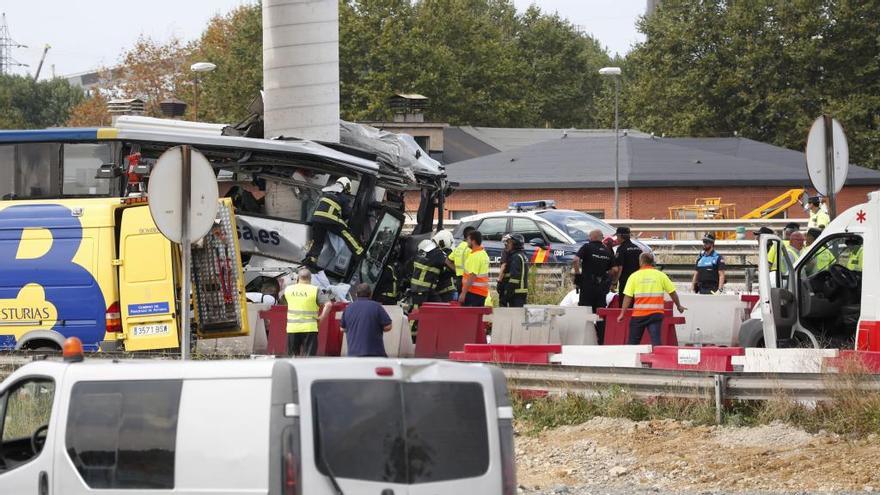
(751, 333)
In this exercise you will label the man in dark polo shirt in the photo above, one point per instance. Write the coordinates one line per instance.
(364, 321)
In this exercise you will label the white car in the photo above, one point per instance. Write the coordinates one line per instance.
(316, 426)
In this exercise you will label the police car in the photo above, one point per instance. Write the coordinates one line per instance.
(551, 235)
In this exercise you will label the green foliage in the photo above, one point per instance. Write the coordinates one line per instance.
(764, 69)
(25, 104)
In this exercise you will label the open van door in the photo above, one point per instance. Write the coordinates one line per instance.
(778, 300)
(146, 283)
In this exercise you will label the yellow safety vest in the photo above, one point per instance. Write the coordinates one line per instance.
(459, 254)
(647, 287)
(476, 269)
(302, 308)
(819, 219)
(855, 260)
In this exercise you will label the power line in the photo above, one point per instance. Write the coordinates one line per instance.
(7, 44)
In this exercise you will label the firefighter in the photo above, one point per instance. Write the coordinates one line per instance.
(709, 274)
(331, 215)
(592, 273)
(445, 290)
(517, 287)
(425, 274)
(386, 289)
(503, 275)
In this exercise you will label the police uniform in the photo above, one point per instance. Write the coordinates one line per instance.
(517, 287)
(330, 215)
(596, 260)
(627, 258)
(708, 267)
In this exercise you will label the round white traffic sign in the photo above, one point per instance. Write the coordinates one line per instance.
(166, 198)
(817, 166)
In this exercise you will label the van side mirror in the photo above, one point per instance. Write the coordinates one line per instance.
(537, 242)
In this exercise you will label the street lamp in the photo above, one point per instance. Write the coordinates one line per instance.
(199, 67)
(615, 73)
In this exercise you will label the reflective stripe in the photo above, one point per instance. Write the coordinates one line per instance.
(302, 308)
(332, 212)
(358, 249)
(428, 268)
(649, 306)
(420, 282)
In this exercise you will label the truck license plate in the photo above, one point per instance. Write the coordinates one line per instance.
(149, 330)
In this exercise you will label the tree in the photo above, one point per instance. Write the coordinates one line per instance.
(25, 104)
(234, 42)
(764, 69)
(91, 112)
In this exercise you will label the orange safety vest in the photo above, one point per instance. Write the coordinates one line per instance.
(647, 287)
(476, 270)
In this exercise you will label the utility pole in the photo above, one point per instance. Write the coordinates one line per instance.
(7, 44)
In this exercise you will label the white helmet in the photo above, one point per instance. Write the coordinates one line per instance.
(444, 239)
(345, 182)
(427, 246)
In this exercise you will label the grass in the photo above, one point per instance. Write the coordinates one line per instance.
(851, 410)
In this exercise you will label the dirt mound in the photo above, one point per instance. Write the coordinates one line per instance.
(672, 456)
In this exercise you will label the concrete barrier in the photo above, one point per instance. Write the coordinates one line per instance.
(783, 360)
(254, 342)
(616, 356)
(538, 325)
(718, 317)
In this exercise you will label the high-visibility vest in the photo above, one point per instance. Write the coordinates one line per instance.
(458, 256)
(855, 260)
(302, 308)
(330, 209)
(647, 288)
(818, 219)
(476, 270)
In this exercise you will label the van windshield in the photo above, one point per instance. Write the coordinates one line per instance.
(396, 432)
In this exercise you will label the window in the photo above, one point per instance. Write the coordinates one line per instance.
(81, 163)
(595, 213)
(576, 224)
(405, 432)
(493, 228)
(459, 214)
(845, 251)
(25, 411)
(384, 237)
(123, 434)
(527, 228)
(552, 234)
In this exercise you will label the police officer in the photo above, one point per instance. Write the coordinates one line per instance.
(517, 286)
(503, 275)
(626, 260)
(592, 266)
(331, 215)
(709, 274)
(445, 290)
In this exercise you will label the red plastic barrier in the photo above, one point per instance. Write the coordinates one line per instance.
(752, 299)
(868, 336)
(329, 332)
(498, 353)
(276, 330)
(617, 333)
(444, 328)
(692, 358)
(856, 361)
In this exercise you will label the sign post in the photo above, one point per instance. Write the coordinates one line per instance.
(183, 202)
(827, 159)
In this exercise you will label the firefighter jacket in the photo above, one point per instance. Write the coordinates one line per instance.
(333, 209)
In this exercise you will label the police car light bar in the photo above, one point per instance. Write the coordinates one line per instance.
(539, 204)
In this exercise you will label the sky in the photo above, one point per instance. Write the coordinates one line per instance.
(88, 34)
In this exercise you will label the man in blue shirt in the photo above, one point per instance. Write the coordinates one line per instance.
(364, 321)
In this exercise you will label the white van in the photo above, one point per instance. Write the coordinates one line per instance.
(287, 427)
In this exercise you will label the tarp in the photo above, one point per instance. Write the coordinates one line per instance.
(399, 151)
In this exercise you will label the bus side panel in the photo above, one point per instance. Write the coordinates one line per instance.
(146, 284)
(47, 281)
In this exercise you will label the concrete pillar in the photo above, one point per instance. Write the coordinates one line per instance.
(301, 69)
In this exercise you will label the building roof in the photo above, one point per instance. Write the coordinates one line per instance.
(565, 163)
(507, 138)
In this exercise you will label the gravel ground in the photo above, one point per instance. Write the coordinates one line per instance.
(617, 456)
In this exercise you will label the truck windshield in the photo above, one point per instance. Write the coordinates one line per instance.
(406, 433)
(53, 170)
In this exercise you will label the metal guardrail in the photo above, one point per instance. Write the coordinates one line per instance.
(728, 225)
(811, 387)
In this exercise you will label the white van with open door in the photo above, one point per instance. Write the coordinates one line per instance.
(280, 427)
(828, 294)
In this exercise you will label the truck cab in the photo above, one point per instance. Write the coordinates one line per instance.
(828, 296)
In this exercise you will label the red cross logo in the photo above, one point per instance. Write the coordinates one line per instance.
(860, 216)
